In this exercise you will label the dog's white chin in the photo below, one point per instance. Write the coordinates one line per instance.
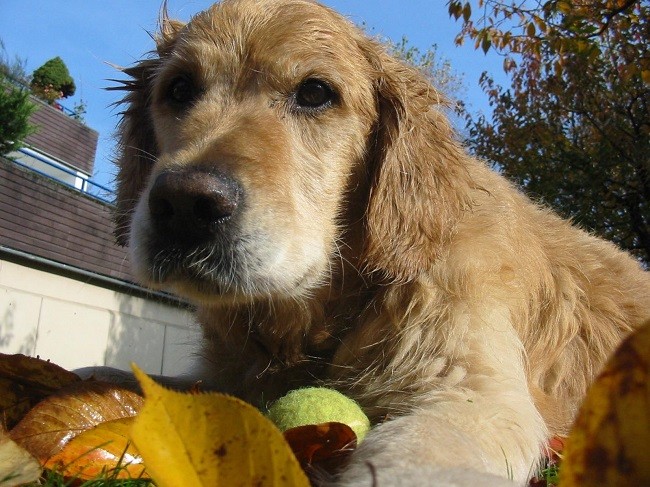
(209, 292)
(208, 295)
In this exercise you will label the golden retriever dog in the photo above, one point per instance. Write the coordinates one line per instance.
(305, 190)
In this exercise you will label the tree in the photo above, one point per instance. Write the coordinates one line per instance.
(574, 126)
(15, 107)
(52, 81)
(438, 70)
(15, 110)
(12, 69)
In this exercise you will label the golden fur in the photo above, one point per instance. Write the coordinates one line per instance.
(373, 254)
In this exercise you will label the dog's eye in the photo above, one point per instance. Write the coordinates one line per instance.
(314, 93)
(182, 91)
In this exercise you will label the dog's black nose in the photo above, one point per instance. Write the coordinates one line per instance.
(192, 205)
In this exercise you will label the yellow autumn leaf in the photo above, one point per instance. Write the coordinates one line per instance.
(102, 449)
(609, 441)
(209, 439)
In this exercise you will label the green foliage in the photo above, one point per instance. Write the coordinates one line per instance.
(574, 126)
(551, 474)
(79, 111)
(53, 81)
(15, 109)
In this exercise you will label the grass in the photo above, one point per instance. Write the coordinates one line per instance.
(547, 476)
(551, 474)
(106, 478)
(54, 479)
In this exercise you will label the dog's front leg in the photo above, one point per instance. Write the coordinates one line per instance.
(421, 450)
(482, 425)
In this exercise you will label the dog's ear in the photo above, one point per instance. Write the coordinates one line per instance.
(419, 179)
(136, 140)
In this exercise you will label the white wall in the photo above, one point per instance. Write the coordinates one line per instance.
(76, 324)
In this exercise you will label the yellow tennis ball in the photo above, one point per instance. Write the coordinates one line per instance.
(315, 405)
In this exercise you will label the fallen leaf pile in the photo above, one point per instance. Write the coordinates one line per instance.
(53, 420)
(82, 429)
(61, 423)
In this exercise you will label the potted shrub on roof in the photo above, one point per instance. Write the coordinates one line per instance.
(52, 81)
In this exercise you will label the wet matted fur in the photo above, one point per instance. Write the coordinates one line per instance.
(357, 244)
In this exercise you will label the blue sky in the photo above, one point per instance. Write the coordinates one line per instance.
(89, 35)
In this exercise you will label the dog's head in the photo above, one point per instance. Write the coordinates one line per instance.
(245, 136)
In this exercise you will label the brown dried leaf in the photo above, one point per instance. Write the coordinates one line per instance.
(35, 372)
(24, 382)
(322, 447)
(74, 409)
(15, 402)
(467, 12)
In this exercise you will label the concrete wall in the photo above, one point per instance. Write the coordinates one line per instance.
(77, 324)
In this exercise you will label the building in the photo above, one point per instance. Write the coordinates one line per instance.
(66, 294)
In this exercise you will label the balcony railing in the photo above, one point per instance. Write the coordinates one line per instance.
(32, 160)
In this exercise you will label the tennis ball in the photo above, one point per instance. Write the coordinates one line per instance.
(315, 405)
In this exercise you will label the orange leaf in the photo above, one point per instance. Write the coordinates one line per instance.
(102, 449)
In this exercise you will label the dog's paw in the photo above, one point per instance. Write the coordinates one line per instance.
(419, 450)
(371, 475)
